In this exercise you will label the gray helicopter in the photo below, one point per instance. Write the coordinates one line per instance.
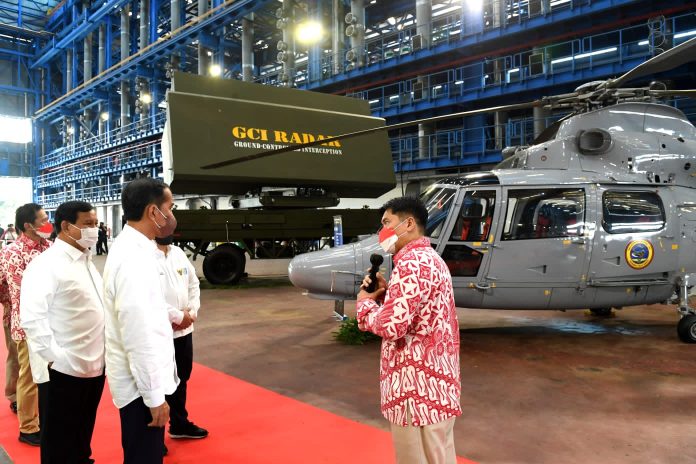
(599, 212)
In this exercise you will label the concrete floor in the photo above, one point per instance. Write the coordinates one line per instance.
(537, 387)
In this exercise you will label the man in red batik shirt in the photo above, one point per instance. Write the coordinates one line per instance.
(33, 221)
(417, 320)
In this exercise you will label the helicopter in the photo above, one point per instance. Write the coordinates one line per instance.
(599, 212)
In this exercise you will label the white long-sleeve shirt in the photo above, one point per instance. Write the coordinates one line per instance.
(180, 285)
(62, 313)
(139, 337)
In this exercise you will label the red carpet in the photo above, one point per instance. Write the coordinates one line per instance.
(247, 424)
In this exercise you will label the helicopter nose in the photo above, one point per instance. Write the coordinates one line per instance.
(297, 270)
(327, 273)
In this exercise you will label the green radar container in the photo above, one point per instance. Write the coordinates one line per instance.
(211, 120)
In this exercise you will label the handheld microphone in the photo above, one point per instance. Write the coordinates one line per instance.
(376, 261)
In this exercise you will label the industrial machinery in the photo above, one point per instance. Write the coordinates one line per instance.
(599, 212)
(210, 121)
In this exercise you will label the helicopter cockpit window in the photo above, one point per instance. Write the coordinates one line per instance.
(474, 220)
(438, 201)
(548, 213)
(631, 212)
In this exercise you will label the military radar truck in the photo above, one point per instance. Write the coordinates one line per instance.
(211, 120)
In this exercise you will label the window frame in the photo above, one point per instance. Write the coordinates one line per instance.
(508, 218)
(660, 204)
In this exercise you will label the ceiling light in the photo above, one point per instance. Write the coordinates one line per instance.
(104, 116)
(309, 32)
(474, 5)
(215, 70)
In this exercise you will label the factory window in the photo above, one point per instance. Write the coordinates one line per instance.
(547, 213)
(438, 201)
(631, 212)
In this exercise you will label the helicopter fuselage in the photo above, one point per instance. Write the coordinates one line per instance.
(603, 215)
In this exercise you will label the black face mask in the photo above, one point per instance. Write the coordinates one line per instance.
(165, 241)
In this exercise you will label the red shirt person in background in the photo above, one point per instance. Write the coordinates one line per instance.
(417, 320)
(33, 222)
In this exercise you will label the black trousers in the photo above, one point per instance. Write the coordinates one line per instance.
(141, 444)
(183, 353)
(67, 423)
(43, 407)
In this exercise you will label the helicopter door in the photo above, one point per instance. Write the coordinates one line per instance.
(635, 243)
(465, 250)
(540, 255)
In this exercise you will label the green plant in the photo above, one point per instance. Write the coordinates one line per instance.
(349, 333)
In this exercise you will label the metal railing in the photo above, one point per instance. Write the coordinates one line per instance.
(568, 57)
(108, 140)
(445, 29)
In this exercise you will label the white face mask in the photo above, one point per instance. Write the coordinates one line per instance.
(88, 236)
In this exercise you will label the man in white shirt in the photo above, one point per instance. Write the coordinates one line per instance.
(183, 295)
(63, 318)
(139, 337)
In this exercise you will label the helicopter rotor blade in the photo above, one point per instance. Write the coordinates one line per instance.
(682, 53)
(254, 156)
(673, 93)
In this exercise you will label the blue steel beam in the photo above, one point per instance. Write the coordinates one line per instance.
(87, 25)
(11, 89)
(17, 15)
(159, 49)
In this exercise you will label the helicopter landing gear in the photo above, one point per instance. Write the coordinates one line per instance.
(601, 312)
(686, 328)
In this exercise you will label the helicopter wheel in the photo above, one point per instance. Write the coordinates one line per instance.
(687, 328)
(601, 312)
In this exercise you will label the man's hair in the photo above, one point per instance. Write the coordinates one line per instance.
(26, 214)
(408, 206)
(140, 193)
(69, 210)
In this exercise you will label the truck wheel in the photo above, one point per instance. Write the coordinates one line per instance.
(687, 329)
(224, 265)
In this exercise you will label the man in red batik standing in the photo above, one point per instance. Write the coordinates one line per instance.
(417, 320)
(33, 222)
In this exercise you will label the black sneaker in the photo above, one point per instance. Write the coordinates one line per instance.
(33, 439)
(191, 430)
(13, 406)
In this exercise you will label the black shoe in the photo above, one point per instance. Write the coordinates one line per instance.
(13, 406)
(165, 450)
(33, 439)
(191, 430)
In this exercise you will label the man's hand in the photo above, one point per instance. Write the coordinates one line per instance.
(379, 292)
(185, 322)
(160, 415)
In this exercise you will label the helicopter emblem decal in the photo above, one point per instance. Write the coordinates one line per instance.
(639, 254)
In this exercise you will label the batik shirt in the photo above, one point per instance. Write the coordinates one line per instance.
(13, 261)
(4, 292)
(419, 367)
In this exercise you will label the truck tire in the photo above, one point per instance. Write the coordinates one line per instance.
(224, 265)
